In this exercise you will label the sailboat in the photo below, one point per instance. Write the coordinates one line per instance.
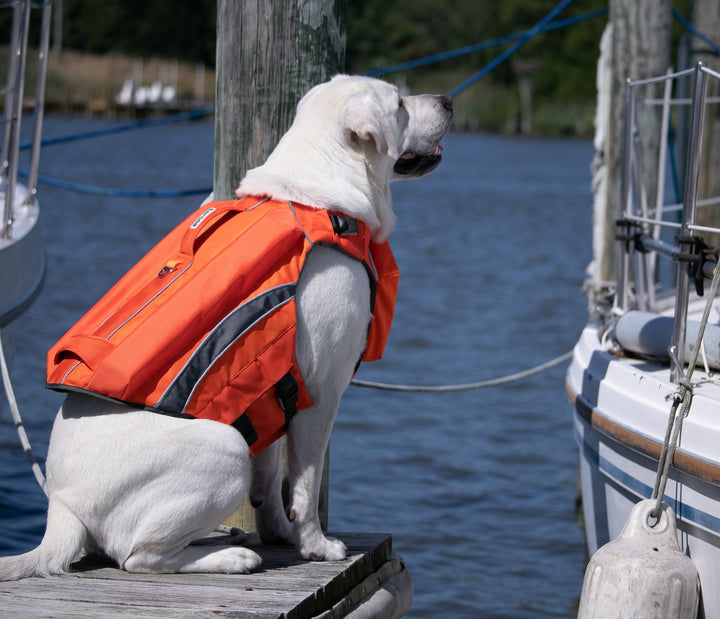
(22, 259)
(644, 380)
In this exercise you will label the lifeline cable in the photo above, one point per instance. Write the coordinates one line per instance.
(467, 386)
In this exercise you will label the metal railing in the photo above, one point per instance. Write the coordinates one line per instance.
(639, 227)
(14, 92)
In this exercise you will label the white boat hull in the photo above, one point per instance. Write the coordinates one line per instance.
(22, 260)
(620, 417)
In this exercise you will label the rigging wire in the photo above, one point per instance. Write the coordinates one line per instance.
(682, 399)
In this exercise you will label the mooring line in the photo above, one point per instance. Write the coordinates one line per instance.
(466, 386)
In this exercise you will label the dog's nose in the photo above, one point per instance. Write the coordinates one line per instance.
(447, 102)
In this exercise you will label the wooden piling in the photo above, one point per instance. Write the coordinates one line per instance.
(636, 45)
(269, 54)
(706, 17)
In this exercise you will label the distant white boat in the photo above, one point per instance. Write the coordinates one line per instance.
(634, 353)
(156, 94)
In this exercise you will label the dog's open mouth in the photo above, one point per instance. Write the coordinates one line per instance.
(417, 164)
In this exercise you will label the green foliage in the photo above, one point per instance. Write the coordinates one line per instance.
(379, 33)
(182, 29)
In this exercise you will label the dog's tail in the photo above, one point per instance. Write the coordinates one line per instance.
(64, 539)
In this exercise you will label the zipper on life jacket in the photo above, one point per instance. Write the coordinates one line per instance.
(141, 299)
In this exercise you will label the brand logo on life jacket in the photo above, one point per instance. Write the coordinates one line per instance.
(199, 220)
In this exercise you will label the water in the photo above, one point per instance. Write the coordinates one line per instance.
(477, 488)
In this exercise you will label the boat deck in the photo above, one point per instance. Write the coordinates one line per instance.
(371, 578)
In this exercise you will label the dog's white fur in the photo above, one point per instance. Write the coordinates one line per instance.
(139, 486)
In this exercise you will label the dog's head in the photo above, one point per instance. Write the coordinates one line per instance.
(372, 113)
(350, 138)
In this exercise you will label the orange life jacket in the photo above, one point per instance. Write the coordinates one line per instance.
(205, 324)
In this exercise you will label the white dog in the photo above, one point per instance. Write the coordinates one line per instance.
(138, 486)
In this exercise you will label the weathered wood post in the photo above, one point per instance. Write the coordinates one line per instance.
(268, 55)
(706, 18)
(636, 45)
(525, 70)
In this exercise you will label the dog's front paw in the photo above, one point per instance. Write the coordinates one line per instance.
(324, 549)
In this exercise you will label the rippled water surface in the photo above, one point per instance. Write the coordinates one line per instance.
(476, 487)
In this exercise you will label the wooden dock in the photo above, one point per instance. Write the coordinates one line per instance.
(371, 583)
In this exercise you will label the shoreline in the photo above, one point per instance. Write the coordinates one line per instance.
(105, 86)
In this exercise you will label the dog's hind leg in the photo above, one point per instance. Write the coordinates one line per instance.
(193, 559)
(188, 508)
(266, 497)
(64, 539)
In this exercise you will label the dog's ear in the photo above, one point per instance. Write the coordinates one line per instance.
(366, 119)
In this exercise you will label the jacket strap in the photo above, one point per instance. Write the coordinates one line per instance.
(287, 392)
(243, 425)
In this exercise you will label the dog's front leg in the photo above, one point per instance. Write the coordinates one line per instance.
(333, 311)
(308, 437)
(266, 497)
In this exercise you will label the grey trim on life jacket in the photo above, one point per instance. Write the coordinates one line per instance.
(224, 335)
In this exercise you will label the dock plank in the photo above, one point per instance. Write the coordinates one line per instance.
(286, 587)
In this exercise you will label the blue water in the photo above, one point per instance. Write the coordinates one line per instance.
(477, 488)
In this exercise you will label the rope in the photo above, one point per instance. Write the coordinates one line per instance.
(469, 49)
(683, 397)
(544, 25)
(121, 193)
(141, 124)
(118, 193)
(467, 386)
(15, 412)
(688, 26)
(526, 36)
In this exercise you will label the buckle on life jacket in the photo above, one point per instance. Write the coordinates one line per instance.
(243, 425)
(343, 225)
(287, 393)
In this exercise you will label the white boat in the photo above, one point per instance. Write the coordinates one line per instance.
(22, 259)
(637, 350)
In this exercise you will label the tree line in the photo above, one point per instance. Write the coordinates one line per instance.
(379, 33)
